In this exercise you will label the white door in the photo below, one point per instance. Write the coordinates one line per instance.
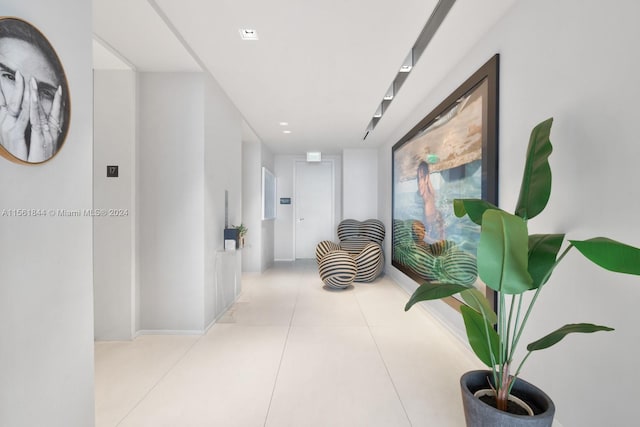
(314, 206)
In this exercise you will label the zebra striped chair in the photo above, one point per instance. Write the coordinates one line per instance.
(357, 258)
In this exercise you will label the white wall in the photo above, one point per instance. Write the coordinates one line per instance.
(284, 226)
(257, 254)
(114, 144)
(268, 226)
(171, 201)
(251, 205)
(222, 171)
(46, 291)
(576, 61)
(189, 154)
(359, 185)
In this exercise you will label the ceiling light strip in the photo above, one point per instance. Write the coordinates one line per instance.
(440, 11)
(435, 20)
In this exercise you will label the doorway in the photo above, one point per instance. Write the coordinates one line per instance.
(314, 208)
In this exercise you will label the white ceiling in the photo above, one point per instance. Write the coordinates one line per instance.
(105, 58)
(321, 66)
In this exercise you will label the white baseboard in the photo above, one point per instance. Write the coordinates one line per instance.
(187, 332)
(169, 332)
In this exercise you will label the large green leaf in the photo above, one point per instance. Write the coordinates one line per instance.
(472, 207)
(536, 180)
(483, 339)
(502, 253)
(557, 335)
(611, 255)
(543, 250)
(476, 300)
(430, 291)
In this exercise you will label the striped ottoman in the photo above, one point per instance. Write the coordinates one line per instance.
(337, 269)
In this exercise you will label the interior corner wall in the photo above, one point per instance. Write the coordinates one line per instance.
(222, 172)
(170, 208)
(252, 205)
(46, 291)
(257, 254)
(267, 226)
(575, 61)
(359, 183)
(114, 144)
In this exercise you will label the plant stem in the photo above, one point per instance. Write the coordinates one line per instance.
(502, 393)
(526, 317)
(508, 340)
(517, 324)
(535, 297)
(504, 361)
(522, 363)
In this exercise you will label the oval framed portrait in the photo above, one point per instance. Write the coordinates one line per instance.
(35, 106)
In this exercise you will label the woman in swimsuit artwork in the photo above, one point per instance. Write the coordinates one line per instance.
(433, 221)
(34, 94)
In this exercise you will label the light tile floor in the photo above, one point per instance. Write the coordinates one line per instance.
(291, 353)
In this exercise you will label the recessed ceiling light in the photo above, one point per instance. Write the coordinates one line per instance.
(284, 124)
(286, 131)
(389, 95)
(407, 65)
(248, 34)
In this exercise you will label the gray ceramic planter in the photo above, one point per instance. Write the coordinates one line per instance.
(479, 414)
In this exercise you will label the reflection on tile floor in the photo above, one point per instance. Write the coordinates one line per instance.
(290, 353)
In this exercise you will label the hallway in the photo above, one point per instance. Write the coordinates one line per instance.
(290, 353)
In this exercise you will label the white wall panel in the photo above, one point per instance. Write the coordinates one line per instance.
(114, 144)
(46, 277)
(360, 183)
(575, 61)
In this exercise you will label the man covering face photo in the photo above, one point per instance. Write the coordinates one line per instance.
(34, 94)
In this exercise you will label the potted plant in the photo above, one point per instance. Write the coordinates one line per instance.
(514, 263)
(242, 231)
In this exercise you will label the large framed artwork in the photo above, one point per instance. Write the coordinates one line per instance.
(35, 107)
(451, 154)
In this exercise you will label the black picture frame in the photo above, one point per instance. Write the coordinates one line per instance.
(451, 153)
